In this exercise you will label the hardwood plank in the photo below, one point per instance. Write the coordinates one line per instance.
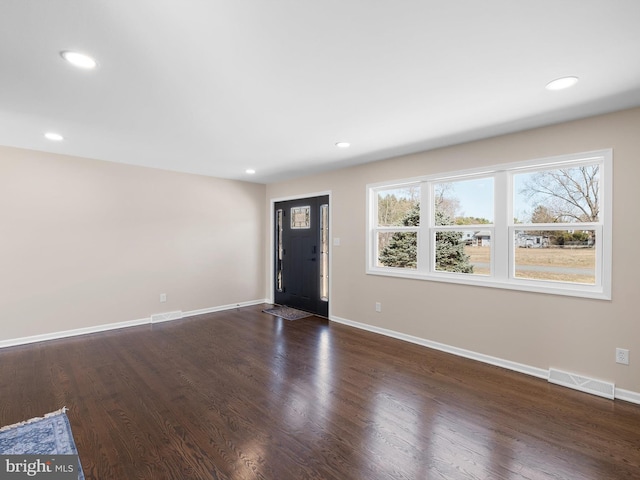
(244, 395)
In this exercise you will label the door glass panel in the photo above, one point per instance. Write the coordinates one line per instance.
(324, 253)
(301, 217)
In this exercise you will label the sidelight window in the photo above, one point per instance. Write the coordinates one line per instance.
(324, 252)
(279, 248)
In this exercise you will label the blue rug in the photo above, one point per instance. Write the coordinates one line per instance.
(49, 435)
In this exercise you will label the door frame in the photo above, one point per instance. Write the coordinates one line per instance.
(271, 243)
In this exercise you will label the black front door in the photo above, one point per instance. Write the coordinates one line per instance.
(302, 254)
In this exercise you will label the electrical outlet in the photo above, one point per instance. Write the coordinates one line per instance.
(622, 356)
(378, 307)
(163, 297)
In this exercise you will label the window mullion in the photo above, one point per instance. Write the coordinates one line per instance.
(503, 217)
(424, 237)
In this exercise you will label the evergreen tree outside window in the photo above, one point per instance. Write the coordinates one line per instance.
(398, 219)
(450, 248)
(401, 250)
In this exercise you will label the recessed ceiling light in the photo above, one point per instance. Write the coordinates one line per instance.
(562, 83)
(54, 137)
(79, 60)
(343, 144)
(250, 171)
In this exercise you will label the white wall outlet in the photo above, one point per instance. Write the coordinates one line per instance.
(163, 297)
(378, 307)
(622, 356)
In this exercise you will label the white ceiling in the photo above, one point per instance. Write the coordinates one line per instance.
(215, 87)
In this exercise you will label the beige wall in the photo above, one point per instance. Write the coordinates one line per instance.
(86, 243)
(543, 331)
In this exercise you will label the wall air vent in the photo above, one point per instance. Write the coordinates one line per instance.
(584, 384)
(165, 317)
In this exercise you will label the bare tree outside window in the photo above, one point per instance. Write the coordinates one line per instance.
(394, 204)
(446, 204)
(565, 195)
(569, 197)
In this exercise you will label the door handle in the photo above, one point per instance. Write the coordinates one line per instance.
(313, 259)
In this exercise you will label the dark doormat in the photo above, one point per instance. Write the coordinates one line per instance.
(287, 313)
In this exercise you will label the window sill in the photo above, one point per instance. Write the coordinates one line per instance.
(571, 290)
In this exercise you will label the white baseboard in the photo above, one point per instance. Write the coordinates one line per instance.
(72, 333)
(221, 308)
(164, 317)
(627, 395)
(620, 394)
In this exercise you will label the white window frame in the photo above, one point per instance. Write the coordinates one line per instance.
(502, 262)
(389, 229)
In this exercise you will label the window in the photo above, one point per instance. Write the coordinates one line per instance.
(462, 242)
(300, 218)
(279, 248)
(541, 225)
(324, 252)
(397, 222)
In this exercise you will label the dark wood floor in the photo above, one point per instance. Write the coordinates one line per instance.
(244, 395)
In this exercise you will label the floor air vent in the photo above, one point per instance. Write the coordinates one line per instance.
(584, 384)
(165, 317)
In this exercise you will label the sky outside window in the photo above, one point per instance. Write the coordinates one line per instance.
(467, 198)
